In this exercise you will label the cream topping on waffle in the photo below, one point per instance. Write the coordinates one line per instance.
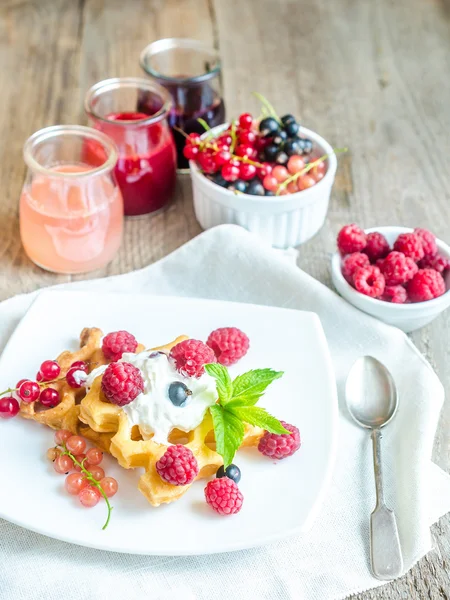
(152, 410)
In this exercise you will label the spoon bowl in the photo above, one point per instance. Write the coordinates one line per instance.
(371, 394)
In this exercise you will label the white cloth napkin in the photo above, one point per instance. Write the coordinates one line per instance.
(332, 560)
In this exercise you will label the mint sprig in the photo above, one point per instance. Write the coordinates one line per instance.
(236, 406)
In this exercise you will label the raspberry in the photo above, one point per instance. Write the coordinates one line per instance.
(439, 263)
(224, 496)
(377, 246)
(426, 285)
(122, 382)
(177, 465)
(282, 445)
(428, 241)
(190, 356)
(118, 342)
(395, 294)
(351, 262)
(369, 281)
(351, 238)
(411, 245)
(229, 344)
(398, 268)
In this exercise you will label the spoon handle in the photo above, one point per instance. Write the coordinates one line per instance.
(385, 551)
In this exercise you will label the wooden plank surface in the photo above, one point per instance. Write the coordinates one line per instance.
(371, 75)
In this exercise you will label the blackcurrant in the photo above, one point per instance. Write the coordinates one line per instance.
(217, 178)
(280, 138)
(281, 158)
(286, 119)
(291, 129)
(232, 472)
(292, 146)
(270, 152)
(178, 393)
(268, 126)
(305, 145)
(255, 188)
(239, 185)
(269, 193)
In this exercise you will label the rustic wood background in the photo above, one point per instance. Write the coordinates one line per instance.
(372, 75)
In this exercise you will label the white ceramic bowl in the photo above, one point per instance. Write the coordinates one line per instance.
(407, 317)
(282, 221)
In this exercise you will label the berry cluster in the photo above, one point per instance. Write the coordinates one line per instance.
(412, 271)
(225, 345)
(40, 391)
(85, 477)
(259, 157)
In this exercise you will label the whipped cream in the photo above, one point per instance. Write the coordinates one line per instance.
(152, 410)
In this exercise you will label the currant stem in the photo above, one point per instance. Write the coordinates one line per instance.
(92, 480)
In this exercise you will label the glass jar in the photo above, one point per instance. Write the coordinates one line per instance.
(71, 209)
(133, 112)
(190, 71)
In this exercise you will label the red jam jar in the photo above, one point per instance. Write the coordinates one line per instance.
(146, 167)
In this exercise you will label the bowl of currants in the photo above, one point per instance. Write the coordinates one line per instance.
(268, 174)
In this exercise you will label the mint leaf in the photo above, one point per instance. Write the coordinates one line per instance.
(223, 381)
(249, 387)
(259, 417)
(228, 431)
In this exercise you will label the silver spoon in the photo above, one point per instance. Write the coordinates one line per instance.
(372, 401)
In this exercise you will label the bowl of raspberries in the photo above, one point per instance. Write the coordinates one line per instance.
(397, 274)
(267, 174)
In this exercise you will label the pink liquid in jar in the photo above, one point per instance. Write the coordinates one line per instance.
(71, 225)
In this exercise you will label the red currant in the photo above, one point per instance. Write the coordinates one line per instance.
(194, 137)
(292, 187)
(76, 444)
(109, 486)
(265, 169)
(49, 398)
(318, 171)
(295, 164)
(89, 496)
(280, 173)
(224, 140)
(9, 407)
(191, 152)
(230, 172)
(304, 182)
(75, 381)
(19, 383)
(62, 435)
(247, 171)
(63, 464)
(244, 150)
(75, 482)
(222, 157)
(270, 183)
(246, 121)
(247, 137)
(50, 370)
(39, 377)
(80, 458)
(80, 365)
(207, 163)
(29, 391)
(96, 472)
(94, 456)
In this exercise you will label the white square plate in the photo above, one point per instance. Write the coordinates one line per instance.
(281, 498)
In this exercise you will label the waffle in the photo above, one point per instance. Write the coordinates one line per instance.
(107, 426)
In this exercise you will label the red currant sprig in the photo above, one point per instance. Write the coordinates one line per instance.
(88, 482)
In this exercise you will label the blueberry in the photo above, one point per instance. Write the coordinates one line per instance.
(286, 119)
(269, 193)
(232, 472)
(270, 152)
(281, 158)
(239, 185)
(268, 127)
(217, 178)
(255, 188)
(305, 145)
(291, 129)
(292, 146)
(280, 138)
(178, 393)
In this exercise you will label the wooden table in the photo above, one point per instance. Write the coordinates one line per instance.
(370, 75)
